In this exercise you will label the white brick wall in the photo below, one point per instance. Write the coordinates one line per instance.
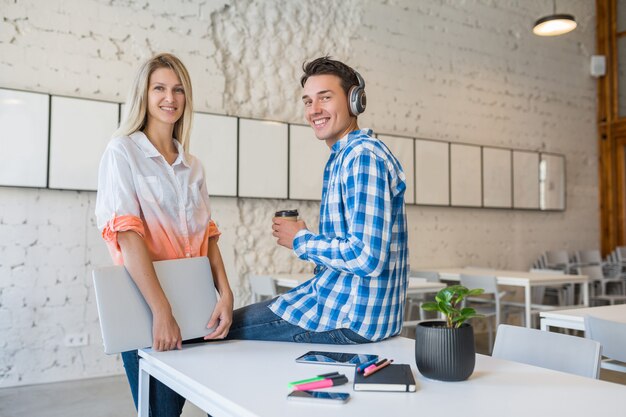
(468, 71)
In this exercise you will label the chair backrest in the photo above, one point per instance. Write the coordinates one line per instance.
(262, 286)
(430, 276)
(610, 334)
(588, 257)
(594, 272)
(488, 283)
(549, 350)
(557, 259)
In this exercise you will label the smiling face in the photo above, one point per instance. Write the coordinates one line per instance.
(166, 97)
(326, 108)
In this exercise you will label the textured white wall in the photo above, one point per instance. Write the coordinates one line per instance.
(460, 70)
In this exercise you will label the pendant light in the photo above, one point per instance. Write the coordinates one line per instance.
(554, 24)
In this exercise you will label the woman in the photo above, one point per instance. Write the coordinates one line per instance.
(153, 204)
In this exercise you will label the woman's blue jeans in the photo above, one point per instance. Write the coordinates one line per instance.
(164, 402)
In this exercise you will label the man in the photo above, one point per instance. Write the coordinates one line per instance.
(358, 292)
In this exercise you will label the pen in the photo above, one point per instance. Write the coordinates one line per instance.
(317, 378)
(369, 368)
(324, 383)
(378, 368)
(364, 365)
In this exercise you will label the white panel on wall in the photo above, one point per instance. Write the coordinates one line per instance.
(307, 158)
(402, 148)
(497, 174)
(432, 172)
(552, 182)
(525, 180)
(262, 159)
(79, 132)
(465, 175)
(214, 142)
(24, 138)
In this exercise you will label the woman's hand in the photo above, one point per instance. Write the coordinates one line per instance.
(222, 317)
(165, 332)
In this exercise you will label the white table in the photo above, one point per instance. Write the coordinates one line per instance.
(248, 378)
(518, 279)
(415, 286)
(575, 318)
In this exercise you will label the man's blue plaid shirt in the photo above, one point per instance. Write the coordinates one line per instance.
(361, 249)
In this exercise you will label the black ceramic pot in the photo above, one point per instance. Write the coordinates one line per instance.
(444, 354)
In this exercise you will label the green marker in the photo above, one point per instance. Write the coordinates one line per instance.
(317, 378)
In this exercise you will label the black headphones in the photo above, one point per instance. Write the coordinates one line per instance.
(356, 96)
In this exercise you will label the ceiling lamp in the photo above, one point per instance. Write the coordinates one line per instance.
(554, 24)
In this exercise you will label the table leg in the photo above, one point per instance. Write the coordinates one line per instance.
(144, 390)
(527, 302)
(585, 294)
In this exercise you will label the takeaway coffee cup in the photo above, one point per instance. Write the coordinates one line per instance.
(291, 215)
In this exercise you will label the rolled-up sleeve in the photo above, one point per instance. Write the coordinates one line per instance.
(117, 207)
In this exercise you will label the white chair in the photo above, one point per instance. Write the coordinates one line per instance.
(415, 301)
(557, 259)
(597, 278)
(612, 336)
(588, 257)
(262, 287)
(487, 307)
(560, 352)
(563, 293)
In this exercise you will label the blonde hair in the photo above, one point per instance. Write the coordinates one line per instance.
(136, 109)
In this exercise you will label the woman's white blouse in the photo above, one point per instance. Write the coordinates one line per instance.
(168, 205)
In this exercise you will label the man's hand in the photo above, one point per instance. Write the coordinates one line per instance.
(285, 230)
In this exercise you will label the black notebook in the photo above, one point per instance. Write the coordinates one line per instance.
(395, 377)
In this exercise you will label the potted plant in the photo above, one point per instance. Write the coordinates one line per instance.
(444, 350)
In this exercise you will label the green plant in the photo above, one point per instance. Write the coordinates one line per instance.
(449, 302)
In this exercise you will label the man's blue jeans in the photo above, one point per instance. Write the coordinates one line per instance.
(258, 322)
(164, 402)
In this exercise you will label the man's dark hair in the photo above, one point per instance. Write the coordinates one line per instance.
(325, 65)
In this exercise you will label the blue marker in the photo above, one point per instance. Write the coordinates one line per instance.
(362, 366)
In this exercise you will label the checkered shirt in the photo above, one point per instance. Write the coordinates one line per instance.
(360, 253)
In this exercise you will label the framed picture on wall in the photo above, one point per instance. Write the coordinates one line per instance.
(307, 158)
(79, 132)
(24, 119)
(552, 182)
(497, 178)
(465, 175)
(262, 159)
(432, 172)
(214, 142)
(525, 180)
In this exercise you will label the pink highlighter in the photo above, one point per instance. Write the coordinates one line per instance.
(324, 383)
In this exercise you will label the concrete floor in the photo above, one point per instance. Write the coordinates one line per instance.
(110, 397)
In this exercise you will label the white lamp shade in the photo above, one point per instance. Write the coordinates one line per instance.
(553, 25)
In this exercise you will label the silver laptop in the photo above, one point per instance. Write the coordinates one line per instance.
(126, 319)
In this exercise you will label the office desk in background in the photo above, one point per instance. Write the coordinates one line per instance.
(527, 280)
(575, 318)
(416, 285)
(249, 378)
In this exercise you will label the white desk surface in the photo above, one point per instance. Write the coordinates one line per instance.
(416, 285)
(575, 318)
(249, 378)
(506, 277)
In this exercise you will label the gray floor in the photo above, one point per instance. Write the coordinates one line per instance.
(110, 397)
(98, 397)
